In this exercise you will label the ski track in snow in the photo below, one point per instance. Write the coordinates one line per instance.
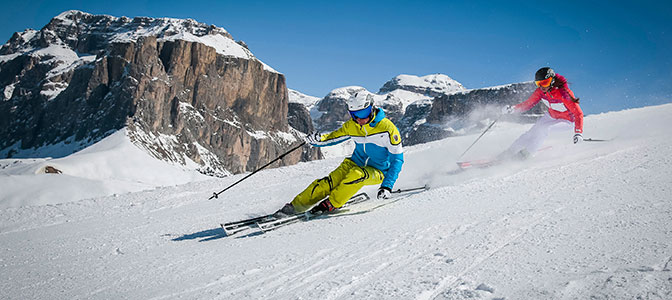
(582, 221)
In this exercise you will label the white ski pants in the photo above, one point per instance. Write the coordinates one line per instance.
(534, 138)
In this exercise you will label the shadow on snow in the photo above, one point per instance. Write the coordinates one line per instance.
(204, 236)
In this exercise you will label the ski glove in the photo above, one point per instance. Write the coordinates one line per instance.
(578, 138)
(507, 110)
(313, 138)
(384, 192)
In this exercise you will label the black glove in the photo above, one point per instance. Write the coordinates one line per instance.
(313, 138)
(507, 110)
(323, 207)
(384, 192)
(578, 138)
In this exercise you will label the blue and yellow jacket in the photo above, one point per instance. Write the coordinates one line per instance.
(377, 144)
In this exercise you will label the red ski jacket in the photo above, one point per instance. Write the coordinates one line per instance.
(559, 100)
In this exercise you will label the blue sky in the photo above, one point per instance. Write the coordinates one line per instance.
(615, 54)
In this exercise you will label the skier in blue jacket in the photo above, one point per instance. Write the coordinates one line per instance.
(377, 159)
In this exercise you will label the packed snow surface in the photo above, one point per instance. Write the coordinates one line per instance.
(586, 221)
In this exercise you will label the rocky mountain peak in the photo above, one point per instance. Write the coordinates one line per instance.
(432, 85)
(301, 98)
(86, 33)
(186, 91)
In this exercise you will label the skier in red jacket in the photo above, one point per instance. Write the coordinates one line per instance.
(563, 112)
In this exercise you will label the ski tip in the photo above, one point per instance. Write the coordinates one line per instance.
(226, 232)
(479, 163)
(464, 164)
(262, 229)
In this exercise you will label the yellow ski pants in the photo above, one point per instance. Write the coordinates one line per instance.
(340, 185)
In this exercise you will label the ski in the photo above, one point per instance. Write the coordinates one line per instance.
(345, 209)
(486, 163)
(232, 228)
(272, 224)
(277, 223)
(480, 163)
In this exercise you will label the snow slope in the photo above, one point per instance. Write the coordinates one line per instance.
(112, 166)
(574, 222)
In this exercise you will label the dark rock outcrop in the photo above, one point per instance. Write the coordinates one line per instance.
(299, 118)
(334, 108)
(463, 112)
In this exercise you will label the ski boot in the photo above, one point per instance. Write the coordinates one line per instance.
(323, 208)
(285, 211)
(522, 155)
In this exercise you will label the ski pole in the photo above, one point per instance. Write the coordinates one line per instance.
(424, 187)
(595, 140)
(479, 137)
(215, 195)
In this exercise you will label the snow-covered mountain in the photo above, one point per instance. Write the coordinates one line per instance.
(465, 112)
(183, 90)
(395, 96)
(433, 85)
(585, 221)
(303, 99)
(426, 108)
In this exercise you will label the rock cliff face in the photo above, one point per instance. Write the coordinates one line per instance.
(333, 108)
(185, 90)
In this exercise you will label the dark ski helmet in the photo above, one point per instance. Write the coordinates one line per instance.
(544, 77)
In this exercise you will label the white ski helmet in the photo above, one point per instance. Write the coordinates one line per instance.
(359, 101)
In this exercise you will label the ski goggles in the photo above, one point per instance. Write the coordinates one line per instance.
(544, 83)
(362, 113)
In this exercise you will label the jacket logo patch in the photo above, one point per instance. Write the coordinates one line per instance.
(396, 138)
